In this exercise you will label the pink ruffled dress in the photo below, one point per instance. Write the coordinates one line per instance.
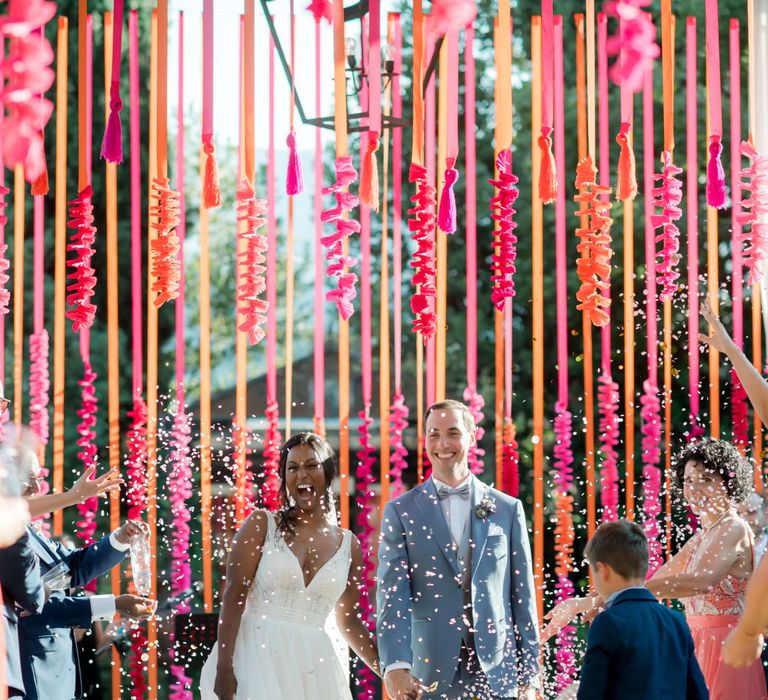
(711, 617)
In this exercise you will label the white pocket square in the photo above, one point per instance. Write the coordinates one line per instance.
(494, 529)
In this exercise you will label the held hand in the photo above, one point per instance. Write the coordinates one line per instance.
(134, 606)
(740, 649)
(401, 685)
(225, 685)
(564, 612)
(130, 529)
(86, 487)
(719, 340)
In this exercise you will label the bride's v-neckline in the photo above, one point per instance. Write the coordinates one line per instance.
(298, 563)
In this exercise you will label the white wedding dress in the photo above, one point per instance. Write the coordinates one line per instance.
(288, 646)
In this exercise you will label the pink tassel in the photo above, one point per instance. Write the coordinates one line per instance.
(422, 227)
(754, 212)
(446, 215)
(475, 402)
(608, 410)
(651, 447)
(369, 175)
(715, 174)
(548, 170)
(667, 197)
(398, 461)
(112, 143)
(505, 250)
(211, 189)
(89, 453)
(626, 185)
(510, 461)
(294, 180)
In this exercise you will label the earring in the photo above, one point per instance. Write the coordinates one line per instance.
(291, 501)
(330, 507)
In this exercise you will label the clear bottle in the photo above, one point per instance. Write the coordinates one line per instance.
(141, 564)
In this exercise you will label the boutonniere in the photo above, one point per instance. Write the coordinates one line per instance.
(486, 506)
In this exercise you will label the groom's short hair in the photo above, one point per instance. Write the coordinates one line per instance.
(622, 545)
(453, 405)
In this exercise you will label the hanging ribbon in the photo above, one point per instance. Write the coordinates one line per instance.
(294, 180)
(649, 401)
(754, 209)
(211, 192)
(272, 437)
(635, 44)
(505, 249)
(446, 216)
(369, 176)
(548, 173)
(431, 148)
(692, 225)
(112, 143)
(716, 195)
(398, 411)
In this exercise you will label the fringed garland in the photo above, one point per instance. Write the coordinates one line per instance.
(422, 228)
(754, 212)
(503, 212)
(89, 453)
(634, 44)
(398, 461)
(252, 309)
(83, 276)
(39, 385)
(166, 267)
(5, 263)
(667, 197)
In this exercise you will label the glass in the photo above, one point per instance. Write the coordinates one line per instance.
(141, 557)
(58, 578)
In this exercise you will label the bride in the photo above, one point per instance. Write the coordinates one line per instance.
(287, 573)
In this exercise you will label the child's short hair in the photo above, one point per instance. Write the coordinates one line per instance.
(622, 545)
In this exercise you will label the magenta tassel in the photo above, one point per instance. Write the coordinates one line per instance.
(294, 181)
(446, 215)
(715, 174)
(112, 143)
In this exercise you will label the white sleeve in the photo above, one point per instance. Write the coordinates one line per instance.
(397, 665)
(119, 546)
(102, 607)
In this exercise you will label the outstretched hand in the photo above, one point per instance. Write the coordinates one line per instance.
(567, 610)
(87, 487)
(719, 339)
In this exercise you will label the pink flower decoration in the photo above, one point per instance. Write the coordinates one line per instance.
(667, 197)
(136, 459)
(166, 265)
(25, 15)
(83, 276)
(505, 249)
(422, 228)
(89, 453)
(651, 447)
(447, 15)
(272, 440)
(251, 284)
(398, 461)
(345, 291)
(321, 9)
(608, 410)
(754, 212)
(634, 43)
(39, 385)
(475, 402)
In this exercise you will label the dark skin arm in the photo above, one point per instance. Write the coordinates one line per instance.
(242, 563)
(355, 633)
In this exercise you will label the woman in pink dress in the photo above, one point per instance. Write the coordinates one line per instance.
(710, 573)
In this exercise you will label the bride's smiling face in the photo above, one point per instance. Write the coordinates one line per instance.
(305, 477)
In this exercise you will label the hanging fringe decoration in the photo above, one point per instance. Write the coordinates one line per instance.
(651, 448)
(83, 276)
(548, 172)
(321, 9)
(634, 44)
(422, 227)
(608, 410)
(243, 481)
(39, 385)
(667, 197)
(27, 72)
(369, 175)
(594, 263)
(112, 143)
(398, 461)
(754, 212)
(626, 185)
(503, 212)
(294, 180)
(715, 174)
(272, 440)
(89, 453)
(166, 267)
(251, 283)
(475, 402)
(136, 460)
(137, 664)
(446, 216)
(345, 291)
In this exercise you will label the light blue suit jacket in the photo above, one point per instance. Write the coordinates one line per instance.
(48, 649)
(419, 596)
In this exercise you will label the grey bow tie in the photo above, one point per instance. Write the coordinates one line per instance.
(445, 491)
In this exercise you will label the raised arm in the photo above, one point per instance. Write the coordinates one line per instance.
(352, 628)
(750, 378)
(244, 558)
(84, 488)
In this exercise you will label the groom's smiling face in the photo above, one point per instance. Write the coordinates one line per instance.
(448, 440)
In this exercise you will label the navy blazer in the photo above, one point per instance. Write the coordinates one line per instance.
(49, 652)
(22, 590)
(638, 649)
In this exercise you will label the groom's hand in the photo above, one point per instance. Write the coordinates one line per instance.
(401, 685)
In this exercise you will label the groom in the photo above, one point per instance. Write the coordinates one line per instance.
(456, 612)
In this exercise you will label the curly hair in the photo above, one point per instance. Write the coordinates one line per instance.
(719, 457)
(288, 514)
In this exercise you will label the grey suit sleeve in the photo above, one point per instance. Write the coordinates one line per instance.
(523, 596)
(393, 592)
(20, 576)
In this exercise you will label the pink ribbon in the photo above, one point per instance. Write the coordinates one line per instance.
(320, 10)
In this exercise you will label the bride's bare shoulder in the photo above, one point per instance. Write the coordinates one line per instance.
(254, 528)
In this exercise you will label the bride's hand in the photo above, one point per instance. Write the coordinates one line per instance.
(564, 612)
(225, 686)
(719, 340)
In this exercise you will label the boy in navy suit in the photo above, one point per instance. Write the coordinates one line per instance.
(637, 649)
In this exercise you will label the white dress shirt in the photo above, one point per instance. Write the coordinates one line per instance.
(103, 606)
